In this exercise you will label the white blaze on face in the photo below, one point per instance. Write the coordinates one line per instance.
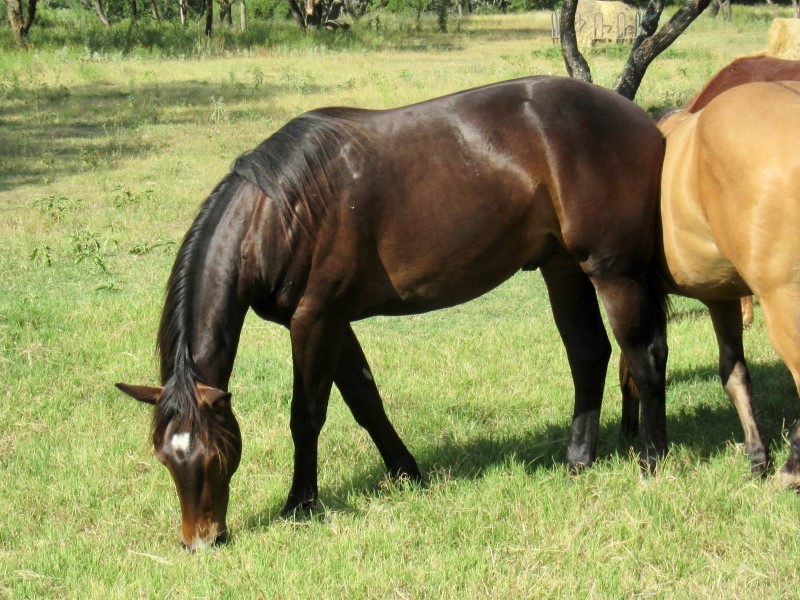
(181, 442)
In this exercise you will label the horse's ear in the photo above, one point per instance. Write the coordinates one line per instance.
(212, 397)
(142, 393)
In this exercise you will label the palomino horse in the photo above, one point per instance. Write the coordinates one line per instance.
(730, 214)
(343, 214)
(746, 69)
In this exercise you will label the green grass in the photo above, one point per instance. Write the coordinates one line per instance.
(104, 160)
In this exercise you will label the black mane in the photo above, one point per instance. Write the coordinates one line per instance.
(293, 166)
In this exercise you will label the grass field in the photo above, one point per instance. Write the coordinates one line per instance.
(105, 158)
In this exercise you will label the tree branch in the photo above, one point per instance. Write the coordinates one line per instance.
(648, 45)
(574, 61)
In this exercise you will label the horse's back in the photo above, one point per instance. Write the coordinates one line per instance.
(747, 69)
(460, 192)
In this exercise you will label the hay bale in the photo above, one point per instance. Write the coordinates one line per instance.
(588, 26)
(784, 38)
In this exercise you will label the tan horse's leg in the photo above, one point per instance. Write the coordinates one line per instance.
(783, 324)
(747, 311)
(727, 319)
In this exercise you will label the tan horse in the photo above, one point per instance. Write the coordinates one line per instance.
(746, 69)
(730, 212)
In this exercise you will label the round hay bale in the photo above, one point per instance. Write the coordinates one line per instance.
(596, 21)
(784, 38)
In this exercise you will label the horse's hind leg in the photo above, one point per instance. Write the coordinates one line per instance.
(580, 324)
(358, 389)
(783, 324)
(727, 319)
(638, 319)
(629, 425)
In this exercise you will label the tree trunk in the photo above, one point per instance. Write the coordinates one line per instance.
(19, 26)
(98, 7)
(226, 12)
(134, 9)
(649, 44)
(154, 10)
(298, 13)
(646, 47)
(243, 16)
(183, 9)
(576, 64)
(796, 7)
(209, 17)
(15, 20)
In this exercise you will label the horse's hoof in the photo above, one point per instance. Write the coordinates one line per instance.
(575, 469)
(759, 463)
(406, 474)
(787, 479)
(295, 508)
(648, 466)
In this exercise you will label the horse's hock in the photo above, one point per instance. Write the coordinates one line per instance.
(784, 39)
(601, 21)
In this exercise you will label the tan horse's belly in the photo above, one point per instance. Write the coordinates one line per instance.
(694, 261)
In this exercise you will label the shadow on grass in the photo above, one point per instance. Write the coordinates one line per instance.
(48, 132)
(706, 429)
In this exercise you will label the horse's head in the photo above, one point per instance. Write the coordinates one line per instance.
(202, 453)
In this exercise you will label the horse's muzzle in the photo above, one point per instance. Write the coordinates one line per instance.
(201, 544)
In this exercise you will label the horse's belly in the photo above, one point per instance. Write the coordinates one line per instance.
(698, 270)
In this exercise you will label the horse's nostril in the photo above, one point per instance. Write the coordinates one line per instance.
(188, 547)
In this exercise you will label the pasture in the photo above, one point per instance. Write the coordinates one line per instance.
(105, 158)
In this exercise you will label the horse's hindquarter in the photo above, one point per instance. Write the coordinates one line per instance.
(751, 181)
(693, 260)
(469, 188)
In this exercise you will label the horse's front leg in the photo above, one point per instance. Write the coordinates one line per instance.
(357, 386)
(727, 319)
(638, 319)
(580, 324)
(316, 340)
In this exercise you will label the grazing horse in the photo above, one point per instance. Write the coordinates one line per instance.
(730, 213)
(746, 69)
(343, 214)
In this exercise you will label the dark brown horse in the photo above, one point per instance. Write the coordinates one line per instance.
(730, 213)
(344, 213)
